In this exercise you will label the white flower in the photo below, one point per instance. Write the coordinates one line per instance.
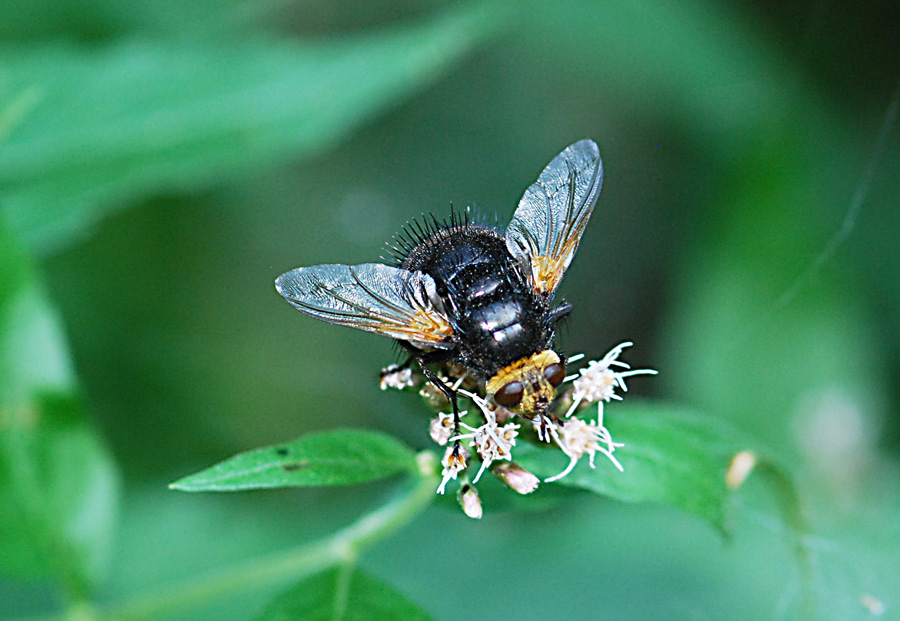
(454, 462)
(491, 441)
(576, 437)
(598, 381)
(393, 377)
(441, 428)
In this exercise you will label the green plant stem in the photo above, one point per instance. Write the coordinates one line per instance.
(342, 590)
(795, 518)
(343, 546)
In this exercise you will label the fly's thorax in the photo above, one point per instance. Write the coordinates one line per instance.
(528, 386)
(441, 251)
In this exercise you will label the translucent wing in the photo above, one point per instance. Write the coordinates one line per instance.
(377, 298)
(552, 215)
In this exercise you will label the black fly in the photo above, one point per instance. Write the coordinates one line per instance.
(471, 294)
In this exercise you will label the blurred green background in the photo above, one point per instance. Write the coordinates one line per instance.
(161, 163)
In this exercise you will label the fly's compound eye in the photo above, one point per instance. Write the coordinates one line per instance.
(555, 373)
(510, 395)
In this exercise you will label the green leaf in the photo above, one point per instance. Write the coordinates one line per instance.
(58, 485)
(117, 123)
(671, 456)
(342, 457)
(342, 594)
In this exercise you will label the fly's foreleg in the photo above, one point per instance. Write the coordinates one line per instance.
(451, 397)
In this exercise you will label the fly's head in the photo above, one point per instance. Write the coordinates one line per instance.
(528, 386)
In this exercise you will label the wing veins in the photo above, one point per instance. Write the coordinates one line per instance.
(380, 298)
(553, 214)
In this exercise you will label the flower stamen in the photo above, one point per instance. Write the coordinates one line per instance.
(576, 437)
(597, 382)
(492, 441)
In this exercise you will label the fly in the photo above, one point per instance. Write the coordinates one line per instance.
(470, 294)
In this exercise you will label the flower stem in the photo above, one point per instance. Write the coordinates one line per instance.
(799, 529)
(341, 547)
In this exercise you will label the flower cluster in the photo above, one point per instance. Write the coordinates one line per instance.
(597, 382)
(576, 437)
(397, 377)
(494, 441)
(491, 441)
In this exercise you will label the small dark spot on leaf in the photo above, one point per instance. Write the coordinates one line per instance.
(282, 451)
(297, 465)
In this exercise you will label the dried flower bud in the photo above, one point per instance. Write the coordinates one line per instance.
(469, 501)
(739, 469)
(515, 477)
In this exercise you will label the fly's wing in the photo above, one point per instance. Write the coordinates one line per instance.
(398, 303)
(552, 215)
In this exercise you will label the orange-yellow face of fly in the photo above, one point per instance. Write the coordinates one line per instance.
(528, 386)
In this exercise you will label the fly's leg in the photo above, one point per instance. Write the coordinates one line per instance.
(451, 397)
(559, 313)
